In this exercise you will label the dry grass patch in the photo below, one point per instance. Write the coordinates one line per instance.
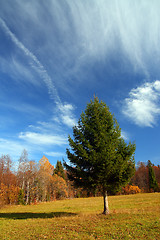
(131, 217)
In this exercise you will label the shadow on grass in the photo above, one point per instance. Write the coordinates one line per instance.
(27, 215)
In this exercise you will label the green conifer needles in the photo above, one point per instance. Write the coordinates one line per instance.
(99, 157)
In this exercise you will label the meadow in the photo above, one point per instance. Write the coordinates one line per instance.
(131, 217)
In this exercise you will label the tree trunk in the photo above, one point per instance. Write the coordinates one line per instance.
(27, 197)
(106, 208)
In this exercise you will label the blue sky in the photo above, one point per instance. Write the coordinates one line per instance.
(56, 54)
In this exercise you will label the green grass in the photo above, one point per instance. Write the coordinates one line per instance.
(131, 217)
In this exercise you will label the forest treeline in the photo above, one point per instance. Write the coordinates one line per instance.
(39, 182)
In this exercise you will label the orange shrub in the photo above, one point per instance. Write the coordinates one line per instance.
(129, 189)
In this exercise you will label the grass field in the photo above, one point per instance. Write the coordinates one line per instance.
(131, 217)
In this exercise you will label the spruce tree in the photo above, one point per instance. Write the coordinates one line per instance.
(99, 156)
(59, 169)
(153, 185)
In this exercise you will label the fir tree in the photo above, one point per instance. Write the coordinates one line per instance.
(99, 156)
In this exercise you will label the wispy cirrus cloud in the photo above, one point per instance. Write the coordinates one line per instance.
(55, 154)
(142, 105)
(33, 145)
(66, 114)
(19, 71)
(35, 63)
(82, 32)
(124, 135)
(43, 138)
(101, 29)
(92, 32)
(12, 147)
(23, 108)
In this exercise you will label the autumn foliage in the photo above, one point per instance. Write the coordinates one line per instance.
(8, 194)
(33, 182)
(142, 179)
(38, 182)
(130, 189)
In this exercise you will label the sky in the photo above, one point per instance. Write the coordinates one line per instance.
(55, 55)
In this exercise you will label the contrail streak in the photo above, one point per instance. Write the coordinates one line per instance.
(37, 65)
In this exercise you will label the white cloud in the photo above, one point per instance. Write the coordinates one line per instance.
(42, 138)
(35, 64)
(11, 147)
(142, 105)
(103, 27)
(66, 114)
(91, 31)
(157, 85)
(18, 71)
(124, 135)
(55, 154)
(23, 107)
(36, 144)
(66, 110)
(68, 120)
(43, 127)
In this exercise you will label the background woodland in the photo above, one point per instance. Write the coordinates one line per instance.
(40, 182)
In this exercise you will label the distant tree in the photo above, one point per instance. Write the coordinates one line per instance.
(27, 176)
(31, 180)
(8, 184)
(59, 187)
(153, 185)
(59, 169)
(6, 175)
(157, 173)
(45, 179)
(22, 168)
(141, 178)
(99, 156)
(21, 197)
